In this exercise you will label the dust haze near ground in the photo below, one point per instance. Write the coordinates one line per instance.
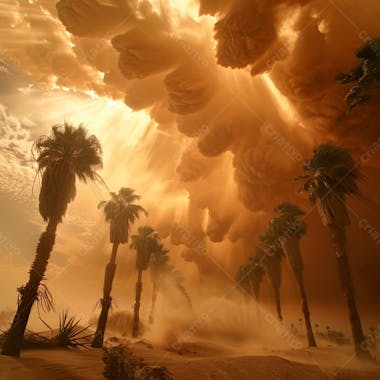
(230, 109)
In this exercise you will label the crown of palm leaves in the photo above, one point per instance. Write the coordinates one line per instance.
(331, 170)
(66, 154)
(121, 212)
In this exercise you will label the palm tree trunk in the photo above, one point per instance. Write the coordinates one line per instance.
(305, 309)
(154, 299)
(29, 293)
(106, 300)
(278, 302)
(255, 290)
(258, 315)
(273, 269)
(136, 319)
(338, 239)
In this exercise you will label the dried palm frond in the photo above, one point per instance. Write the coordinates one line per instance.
(45, 298)
(36, 341)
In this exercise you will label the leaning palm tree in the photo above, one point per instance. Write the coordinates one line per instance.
(120, 211)
(330, 176)
(257, 273)
(242, 281)
(158, 264)
(163, 274)
(67, 154)
(249, 278)
(272, 255)
(289, 227)
(145, 243)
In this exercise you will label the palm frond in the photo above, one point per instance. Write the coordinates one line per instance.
(161, 269)
(66, 154)
(287, 223)
(121, 212)
(145, 242)
(331, 174)
(45, 298)
(249, 277)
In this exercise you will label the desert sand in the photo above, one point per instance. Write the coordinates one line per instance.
(197, 361)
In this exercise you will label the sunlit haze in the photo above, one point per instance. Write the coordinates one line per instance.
(208, 110)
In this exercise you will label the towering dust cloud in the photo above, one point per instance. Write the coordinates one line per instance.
(242, 90)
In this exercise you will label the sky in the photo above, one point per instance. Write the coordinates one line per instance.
(208, 115)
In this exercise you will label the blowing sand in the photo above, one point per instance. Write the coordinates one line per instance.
(197, 361)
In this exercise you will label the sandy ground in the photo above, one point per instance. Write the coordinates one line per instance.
(201, 362)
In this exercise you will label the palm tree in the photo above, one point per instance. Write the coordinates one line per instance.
(145, 243)
(120, 212)
(249, 277)
(365, 75)
(161, 270)
(330, 176)
(289, 227)
(256, 274)
(159, 261)
(242, 281)
(272, 255)
(67, 154)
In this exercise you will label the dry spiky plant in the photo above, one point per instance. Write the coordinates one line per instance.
(122, 364)
(70, 333)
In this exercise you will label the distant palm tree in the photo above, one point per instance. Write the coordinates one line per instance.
(242, 281)
(120, 212)
(289, 227)
(249, 277)
(159, 261)
(161, 273)
(145, 243)
(272, 255)
(330, 176)
(67, 154)
(256, 274)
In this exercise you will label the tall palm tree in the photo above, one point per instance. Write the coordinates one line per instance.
(145, 243)
(161, 272)
(120, 211)
(272, 256)
(249, 278)
(330, 176)
(158, 263)
(67, 154)
(257, 272)
(242, 280)
(289, 227)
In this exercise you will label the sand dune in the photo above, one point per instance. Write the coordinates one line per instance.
(318, 364)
